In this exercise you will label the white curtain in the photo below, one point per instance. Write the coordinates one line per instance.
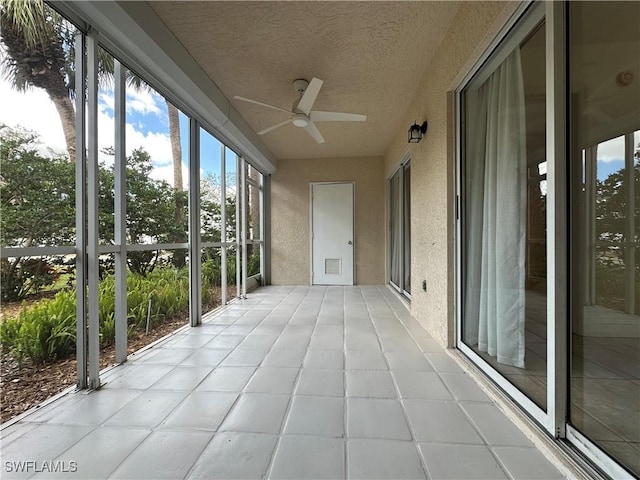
(496, 214)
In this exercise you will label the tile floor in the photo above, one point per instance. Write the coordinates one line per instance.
(293, 382)
(605, 381)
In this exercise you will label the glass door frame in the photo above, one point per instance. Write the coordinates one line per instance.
(524, 19)
(554, 420)
(401, 169)
(563, 132)
(559, 239)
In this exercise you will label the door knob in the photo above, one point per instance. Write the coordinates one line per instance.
(350, 242)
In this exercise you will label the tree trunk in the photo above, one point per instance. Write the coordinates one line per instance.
(43, 65)
(67, 115)
(179, 257)
(176, 147)
(254, 205)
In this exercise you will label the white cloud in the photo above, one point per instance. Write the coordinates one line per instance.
(145, 102)
(35, 111)
(158, 145)
(141, 102)
(166, 173)
(611, 150)
(106, 100)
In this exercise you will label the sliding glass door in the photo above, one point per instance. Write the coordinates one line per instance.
(549, 223)
(400, 229)
(604, 41)
(504, 272)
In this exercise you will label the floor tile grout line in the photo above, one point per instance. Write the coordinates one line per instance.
(285, 418)
(414, 441)
(345, 413)
(146, 437)
(216, 431)
(487, 444)
(377, 325)
(458, 401)
(91, 430)
(229, 411)
(438, 373)
(160, 423)
(423, 459)
(195, 462)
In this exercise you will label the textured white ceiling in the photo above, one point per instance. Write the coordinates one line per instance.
(370, 55)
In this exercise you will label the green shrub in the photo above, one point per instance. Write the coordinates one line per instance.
(168, 290)
(43, 333)
(253, 263)
(231, 270)
(47, 330)
(23, 276)
(107, 329)
(211, 272)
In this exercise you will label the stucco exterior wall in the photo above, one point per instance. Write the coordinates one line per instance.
(290, 216)
(432, 165)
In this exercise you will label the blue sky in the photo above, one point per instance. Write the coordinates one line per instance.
(148, 127)
(611, 156)
(605, 169)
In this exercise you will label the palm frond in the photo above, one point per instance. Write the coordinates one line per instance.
(32, 18)
(37, 44)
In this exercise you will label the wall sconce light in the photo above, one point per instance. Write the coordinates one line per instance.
(417, 131)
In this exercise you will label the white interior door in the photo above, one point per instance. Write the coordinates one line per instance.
(332, 233)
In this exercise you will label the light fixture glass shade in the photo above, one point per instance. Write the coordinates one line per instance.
(415, 135)
(416, 132)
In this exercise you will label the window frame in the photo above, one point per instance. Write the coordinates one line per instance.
(87, 248)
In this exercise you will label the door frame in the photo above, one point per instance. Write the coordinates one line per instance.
(353, 225)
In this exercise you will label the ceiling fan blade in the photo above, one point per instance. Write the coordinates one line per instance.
(262, 104)
(314, 132)
(309, 96)
(267, 130)
(336, 117)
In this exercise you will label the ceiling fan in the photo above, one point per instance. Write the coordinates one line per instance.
(301, 114)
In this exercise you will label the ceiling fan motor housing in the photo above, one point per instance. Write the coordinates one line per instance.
(300, 85)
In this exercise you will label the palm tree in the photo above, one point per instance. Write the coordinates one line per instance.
(39, 53)
(179, 257)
